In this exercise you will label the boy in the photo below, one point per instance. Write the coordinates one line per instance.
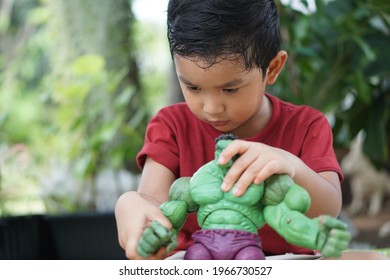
(226, 52)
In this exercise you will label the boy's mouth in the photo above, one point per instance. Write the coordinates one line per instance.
(218, 123)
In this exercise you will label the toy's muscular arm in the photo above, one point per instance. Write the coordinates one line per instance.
(175, 209)
(285, 205)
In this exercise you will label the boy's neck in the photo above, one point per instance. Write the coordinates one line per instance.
(258, 122)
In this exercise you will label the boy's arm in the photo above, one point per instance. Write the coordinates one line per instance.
(285, 205)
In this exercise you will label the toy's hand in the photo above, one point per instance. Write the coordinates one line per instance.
(333, 237)
(155, 237)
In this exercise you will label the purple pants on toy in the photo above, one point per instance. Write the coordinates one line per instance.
(220, 244)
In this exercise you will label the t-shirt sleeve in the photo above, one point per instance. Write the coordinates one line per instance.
(160, 144)
(317, 150)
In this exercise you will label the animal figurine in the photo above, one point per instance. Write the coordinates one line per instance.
(229, 224)
(369, 186)
(384, 230)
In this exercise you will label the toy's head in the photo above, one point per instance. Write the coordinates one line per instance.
(222, 142)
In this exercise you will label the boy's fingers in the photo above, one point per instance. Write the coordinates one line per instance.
(266, 171)
(242, 173)
(132, 250)
(161, 254)
(238, 167)
(243, 183)
(234, 148)
(231, 177)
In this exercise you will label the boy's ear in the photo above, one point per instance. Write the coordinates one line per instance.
(275, 67)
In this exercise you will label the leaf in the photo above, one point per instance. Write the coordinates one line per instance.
(365, 47)
(124, 97)
(362, 87)
(379, 24)
(84, 165)
(375, 144)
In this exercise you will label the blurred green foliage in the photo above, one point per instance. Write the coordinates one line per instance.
(70, 92)
(339, 63)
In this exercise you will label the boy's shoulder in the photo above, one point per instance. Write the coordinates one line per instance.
(177, 114)
(282, 108)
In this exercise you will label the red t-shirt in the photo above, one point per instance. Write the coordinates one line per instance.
(181, 142)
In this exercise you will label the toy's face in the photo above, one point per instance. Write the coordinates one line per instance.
(221, 145)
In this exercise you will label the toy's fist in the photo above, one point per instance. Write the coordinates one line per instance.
(154, 237)
(333, 237)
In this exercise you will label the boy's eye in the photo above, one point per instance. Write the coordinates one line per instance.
(230, 90)
(193, 89)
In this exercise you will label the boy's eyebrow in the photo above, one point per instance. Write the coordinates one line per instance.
(231, 83)
(184, 80)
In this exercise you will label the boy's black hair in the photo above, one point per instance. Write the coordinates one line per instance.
(212, 30)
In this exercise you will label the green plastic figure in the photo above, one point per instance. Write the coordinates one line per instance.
(229, 224)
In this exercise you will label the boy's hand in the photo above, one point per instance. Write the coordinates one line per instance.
(154, 238)
(131, 224)
(256, 163)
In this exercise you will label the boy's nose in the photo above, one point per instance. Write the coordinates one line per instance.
(213, 106)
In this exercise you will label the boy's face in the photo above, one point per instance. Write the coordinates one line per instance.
(225, 95)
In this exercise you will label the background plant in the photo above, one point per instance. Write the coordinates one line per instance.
(71, 94)
(338, 63)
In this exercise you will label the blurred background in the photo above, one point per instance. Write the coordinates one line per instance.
(79, 81)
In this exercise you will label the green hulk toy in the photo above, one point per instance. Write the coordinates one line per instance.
(229, 224)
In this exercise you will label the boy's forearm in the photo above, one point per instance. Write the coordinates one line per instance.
(323, 188)
(123, 216)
